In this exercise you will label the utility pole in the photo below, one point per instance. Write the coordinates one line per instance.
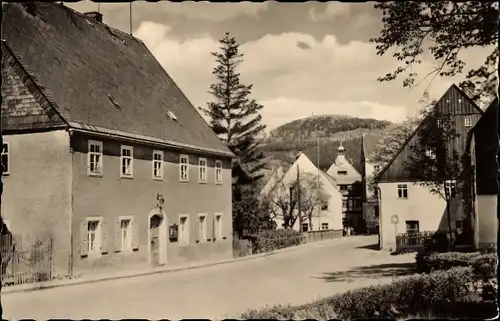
(298, 198)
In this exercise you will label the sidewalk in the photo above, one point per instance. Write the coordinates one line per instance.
(122, 274)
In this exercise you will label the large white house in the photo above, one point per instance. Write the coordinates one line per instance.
(329, 215)
(406, 207)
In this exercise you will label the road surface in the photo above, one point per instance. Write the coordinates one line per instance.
(299, 276)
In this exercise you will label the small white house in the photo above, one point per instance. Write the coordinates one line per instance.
(406, 207)
(329, 215)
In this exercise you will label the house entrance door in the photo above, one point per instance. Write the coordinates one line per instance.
(154, 227)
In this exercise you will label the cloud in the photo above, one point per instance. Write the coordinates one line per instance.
(214, 12)
(333, 10)
(327, 78)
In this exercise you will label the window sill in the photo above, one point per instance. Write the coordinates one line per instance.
(94, 174)
(5, 174)
(157, 178)
(218, 183)
(184, 180)
(202, 182)
(126, 177)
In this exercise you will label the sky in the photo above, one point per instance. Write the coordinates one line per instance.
(302, 58)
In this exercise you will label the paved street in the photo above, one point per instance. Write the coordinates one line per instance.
(296, 277)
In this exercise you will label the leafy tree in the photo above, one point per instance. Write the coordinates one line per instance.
(249, 214)
(286, 198)
(233, 116)
(389, 145)
(434, 161)
(444, 29)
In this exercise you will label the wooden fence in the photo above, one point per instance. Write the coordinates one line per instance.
(26, 258)
(323, 235)
(412, 242)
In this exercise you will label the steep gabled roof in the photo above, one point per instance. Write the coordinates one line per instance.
(100, 79)
(472, 107)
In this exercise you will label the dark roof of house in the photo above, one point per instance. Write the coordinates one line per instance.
(101, 79)
(422, 122)
(486, 144)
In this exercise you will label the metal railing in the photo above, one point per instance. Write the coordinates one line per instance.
(26, 258)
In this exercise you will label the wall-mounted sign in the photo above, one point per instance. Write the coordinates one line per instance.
(394, 219)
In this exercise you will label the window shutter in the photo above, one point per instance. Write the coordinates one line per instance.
(84, 246)
(214, 221)
(104, 238)
(135, 234)
(118, 236)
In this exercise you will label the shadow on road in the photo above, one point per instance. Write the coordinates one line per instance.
(374, 247)
(369, 272)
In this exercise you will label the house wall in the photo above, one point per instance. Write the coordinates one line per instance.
(110, 196)
(487, 222)
(37, 192)
(421, 205)
(332, 216)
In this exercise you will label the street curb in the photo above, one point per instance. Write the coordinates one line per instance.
(42, 286)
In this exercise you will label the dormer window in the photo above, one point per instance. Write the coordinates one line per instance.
(342, 172)
(171, 115)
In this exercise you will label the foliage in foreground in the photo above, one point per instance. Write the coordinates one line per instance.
(442, 293)
(443, 29)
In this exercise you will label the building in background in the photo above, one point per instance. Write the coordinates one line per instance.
(406, 207)
(102, 150)
(349, 182)
(328, 216)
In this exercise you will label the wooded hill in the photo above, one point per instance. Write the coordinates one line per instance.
(302, 135)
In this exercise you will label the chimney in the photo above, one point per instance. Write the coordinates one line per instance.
(94, 15)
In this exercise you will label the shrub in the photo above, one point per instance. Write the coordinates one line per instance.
(437, 243)
(429, 262)
(270, 240)
(434, 294)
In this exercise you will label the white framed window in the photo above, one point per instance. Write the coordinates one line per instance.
(450, 188)
(305, 227)
(324, 226)
(184, 168)
(183, 233)
(94, 235)
(440, 123)
(126, 233)
(95, 158)
(402, 191)
(5, 158)
(127, 162)
(468, 121)
(202, 227)
(157, 165)
(202, 170)
(218, 227)
(218, 171)
(430, 153)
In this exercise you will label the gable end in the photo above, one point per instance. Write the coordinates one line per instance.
(24, 107)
